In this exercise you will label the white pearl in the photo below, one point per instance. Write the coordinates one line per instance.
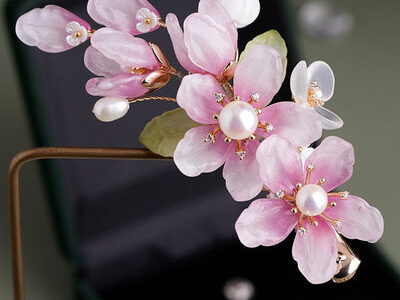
(311, 200)
(318, 93)
(238, 120)
(110, 108)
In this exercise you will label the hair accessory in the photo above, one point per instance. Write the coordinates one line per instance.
(224, 118)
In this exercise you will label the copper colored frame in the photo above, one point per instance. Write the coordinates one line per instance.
(347, 260)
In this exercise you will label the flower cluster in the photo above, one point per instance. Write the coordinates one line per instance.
(225, 117)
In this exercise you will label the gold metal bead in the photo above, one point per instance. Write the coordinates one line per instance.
(253, 137)
(293, 210)
(228, 140)
(215, 117)
(298, 186)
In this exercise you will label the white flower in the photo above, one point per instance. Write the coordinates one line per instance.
(77, 34)
(147, 20)
(313, 86)
(242, 12)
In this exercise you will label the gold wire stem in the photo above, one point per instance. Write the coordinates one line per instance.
(214, 132)
(322, 216)
(134, 100)
(291, 198)
(308, 175)
(52, 153)
(340, 194)
(90, 32)
(228, 89)
(162, 23)
(301, 216)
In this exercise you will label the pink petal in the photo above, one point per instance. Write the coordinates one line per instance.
(316, 252)
(301, 126)
(242, 176)
(99, 64)
(119, 14)
(176, 35)
(123, 85)
(193, 156)
(265, 222)
(217, 11)
(359, 219)
(211, 46)
(279, 163)
(196, 95)
(125, 49)
(259, 72)
(45, 28)
(333, 160)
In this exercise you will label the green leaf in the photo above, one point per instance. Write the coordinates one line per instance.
(271, 38)
(162, 134)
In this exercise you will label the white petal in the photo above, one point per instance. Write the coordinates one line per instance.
(142, 27)
(242, 12)
(322, 73)
(143, 13)
(299, 83)
(329, 120)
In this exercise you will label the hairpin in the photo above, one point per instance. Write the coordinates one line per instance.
(225, 118)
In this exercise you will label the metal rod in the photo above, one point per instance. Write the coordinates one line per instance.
(52, 153)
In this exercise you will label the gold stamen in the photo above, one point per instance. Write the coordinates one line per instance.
(162, 23)
(333, 222)
(313, 221)
(321, 181)
(139, 71)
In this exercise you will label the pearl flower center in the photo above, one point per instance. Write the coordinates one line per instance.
(311, 200)
(238, 120)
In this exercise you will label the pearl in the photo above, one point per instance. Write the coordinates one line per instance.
(110, 108)
(311, 200)
(318, 93)
(238, 120)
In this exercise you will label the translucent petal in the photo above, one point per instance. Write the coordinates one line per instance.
(329, 119)
(316, 252)
(46, 28)
(193, 156)
(242, 12)
(259, 72)
(125, 49)
(242, 176)
(122, 85)
(99, 64)
(333, 160)
(210, 44)
(176, 34)
(299, 83)
(322, 73)
(119, 14)
(265, 222)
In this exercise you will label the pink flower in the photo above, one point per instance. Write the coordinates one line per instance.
(52, 29)
(209, 41)
(133, 16)
(232, 127)
(301, 198)
(123, 60)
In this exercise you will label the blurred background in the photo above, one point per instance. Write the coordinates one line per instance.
(99, 230)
